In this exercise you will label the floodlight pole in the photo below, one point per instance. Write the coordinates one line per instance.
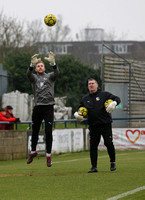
(102, 67)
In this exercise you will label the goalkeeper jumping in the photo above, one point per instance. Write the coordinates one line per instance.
(43, 88)
(99, 120)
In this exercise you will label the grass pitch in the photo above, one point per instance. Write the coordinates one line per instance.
(68, 179)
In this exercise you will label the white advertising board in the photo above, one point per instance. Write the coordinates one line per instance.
(67, 140)
(124, 138)
(72, 140)
(64, 140)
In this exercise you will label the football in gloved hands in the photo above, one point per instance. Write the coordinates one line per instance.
(83, 111)
(107, 102)
(78, 117)
(111, 106)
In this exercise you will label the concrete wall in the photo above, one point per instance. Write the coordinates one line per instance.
(17, 144)
(13, 145)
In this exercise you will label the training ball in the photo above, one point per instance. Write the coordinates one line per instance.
(83, 111)
(107, 102)
(50, 20)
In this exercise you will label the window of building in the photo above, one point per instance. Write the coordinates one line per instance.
(43, 49)
(120, 48)
(60, 49)
(103, 49)
(57, 49)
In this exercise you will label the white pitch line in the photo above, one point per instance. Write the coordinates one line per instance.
(115, 197)
(74, 160)
(127, 193)
(63, 161)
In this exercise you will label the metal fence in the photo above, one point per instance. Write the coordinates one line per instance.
(65, 122)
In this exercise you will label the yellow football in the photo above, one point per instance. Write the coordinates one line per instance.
(107, 102)
(50, 20)
(83, 111)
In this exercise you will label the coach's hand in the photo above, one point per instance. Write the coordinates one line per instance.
(78, 117)
(111, 107)
(35, 60)
(18, 120)
(51, 58)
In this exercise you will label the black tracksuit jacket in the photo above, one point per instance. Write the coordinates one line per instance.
(97, 114)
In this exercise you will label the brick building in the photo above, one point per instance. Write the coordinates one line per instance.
(90, 52)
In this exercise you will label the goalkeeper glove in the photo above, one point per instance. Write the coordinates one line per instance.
(78, 117)
(111, 107)
(51, 58)
(34, 60)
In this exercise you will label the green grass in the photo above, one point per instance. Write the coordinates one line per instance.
(68, 179)
(57, 125)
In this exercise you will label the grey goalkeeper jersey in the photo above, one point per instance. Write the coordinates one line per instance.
(43, 86)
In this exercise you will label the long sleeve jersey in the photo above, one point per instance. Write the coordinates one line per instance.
(97, 113)
(3, 118)
(43, 86)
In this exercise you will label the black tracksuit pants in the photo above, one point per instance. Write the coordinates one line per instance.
(95, 135)
(40, 113)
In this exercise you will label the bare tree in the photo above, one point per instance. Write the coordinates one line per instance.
(16, 34)
(34, 32)
(111, 35)
(11, 34)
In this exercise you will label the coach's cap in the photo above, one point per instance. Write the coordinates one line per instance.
(9, 107)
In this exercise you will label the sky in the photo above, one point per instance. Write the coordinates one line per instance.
(125, 18)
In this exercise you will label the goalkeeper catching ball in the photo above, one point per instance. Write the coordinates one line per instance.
(43, 88)
(99, 120)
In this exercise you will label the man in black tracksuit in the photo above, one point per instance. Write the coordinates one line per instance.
(43, 88)
(99, 120)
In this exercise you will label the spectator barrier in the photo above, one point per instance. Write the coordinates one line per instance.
(15, 144)
(66, 121)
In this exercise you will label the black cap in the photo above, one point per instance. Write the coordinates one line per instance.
(9, 107)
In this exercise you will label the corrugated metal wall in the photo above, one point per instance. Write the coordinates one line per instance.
(128, 82)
